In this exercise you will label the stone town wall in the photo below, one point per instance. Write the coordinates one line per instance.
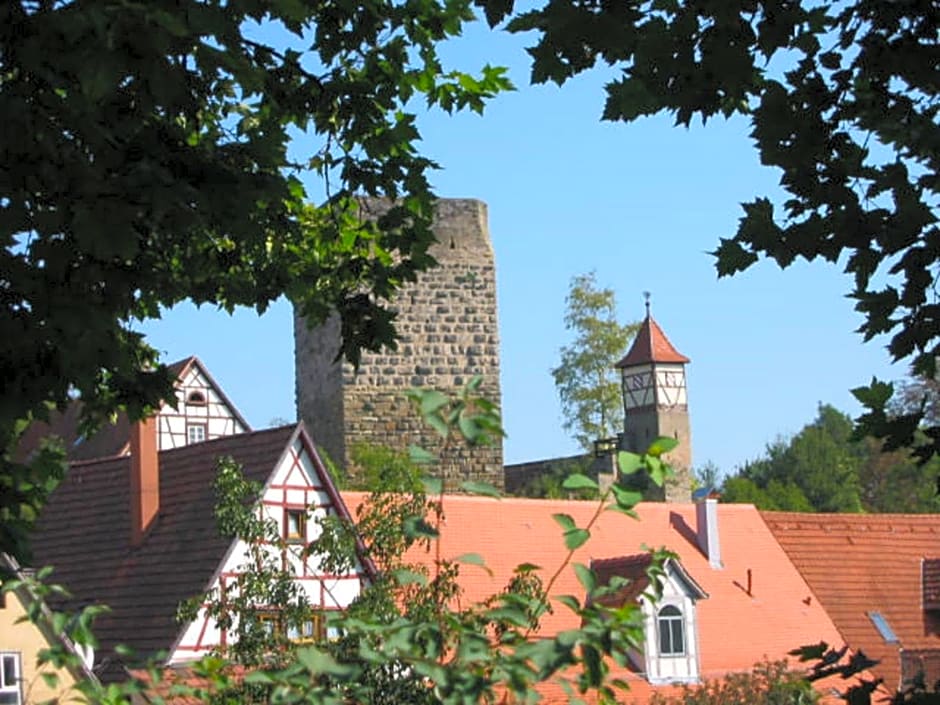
(447, 323)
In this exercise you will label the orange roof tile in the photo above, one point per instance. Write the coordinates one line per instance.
(858, 564)
(651, 345)
(735, 629)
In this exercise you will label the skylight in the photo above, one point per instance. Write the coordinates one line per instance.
(881, 624)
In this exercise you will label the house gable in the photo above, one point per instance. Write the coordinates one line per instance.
(300, 485)
(203, 411)
(83, 531)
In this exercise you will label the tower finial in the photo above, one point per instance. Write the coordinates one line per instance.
(646, 295)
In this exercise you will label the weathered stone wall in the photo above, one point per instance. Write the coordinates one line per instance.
(642, 426)
(447, 324)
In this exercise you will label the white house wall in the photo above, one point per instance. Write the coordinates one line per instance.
(213, 414)
(295, 484)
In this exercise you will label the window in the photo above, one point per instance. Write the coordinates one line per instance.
(196, 399)
(307, 631)
(269, 623)
(671, 631)
(195, 432)
(310, 630)
(881, 624)
(10, 693)
(295, 525)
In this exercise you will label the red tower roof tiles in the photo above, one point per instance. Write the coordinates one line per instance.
(651, 345)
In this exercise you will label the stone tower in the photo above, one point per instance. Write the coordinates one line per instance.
(656, 403)
(448, 333)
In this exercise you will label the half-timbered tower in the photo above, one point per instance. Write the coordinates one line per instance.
(655, 401)
(138, 533)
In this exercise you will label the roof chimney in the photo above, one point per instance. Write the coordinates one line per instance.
(706, 530)
(145, 478)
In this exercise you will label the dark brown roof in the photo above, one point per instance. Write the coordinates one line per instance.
(633, 568)
(84, 533)
(651, 345)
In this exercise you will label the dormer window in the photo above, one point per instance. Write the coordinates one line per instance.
(196, 398)
(671, 631)
(670, 649)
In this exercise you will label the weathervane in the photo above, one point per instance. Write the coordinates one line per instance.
(646, 295)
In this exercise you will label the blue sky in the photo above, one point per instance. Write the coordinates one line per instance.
(641, 205)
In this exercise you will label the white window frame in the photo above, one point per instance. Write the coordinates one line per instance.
(16, 688)
(190, 427)
(669, 623)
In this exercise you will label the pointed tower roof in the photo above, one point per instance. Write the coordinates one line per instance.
(651, 345)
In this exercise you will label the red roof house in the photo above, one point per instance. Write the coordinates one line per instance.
(731, 599)
(878, 577)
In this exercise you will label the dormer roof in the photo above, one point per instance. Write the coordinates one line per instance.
(651, 345)
(634, 569)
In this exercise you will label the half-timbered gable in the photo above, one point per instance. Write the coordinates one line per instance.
(297, 495)
(202, 412)
(138, 533)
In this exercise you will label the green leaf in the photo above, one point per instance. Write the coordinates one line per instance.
(578, 481)
(564, 521)
(473, 559)
(629, 463)
(575, 538)
(432, 485)
(626, 499)
(431, 401)
(420, 456)
(569, 601)
(403, 576)
(662, 445)
(586, 577)
(416, 527)
(480, 488)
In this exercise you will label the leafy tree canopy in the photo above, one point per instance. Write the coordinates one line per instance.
(825, 468)
(842, 99)
(145, 161)
(587, 382)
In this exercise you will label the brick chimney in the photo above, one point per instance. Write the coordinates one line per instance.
(145, 478)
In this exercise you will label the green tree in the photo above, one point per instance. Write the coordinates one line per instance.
(157, 170)
(815, 470)
(769, 683)
(587, 383)
(842, 99)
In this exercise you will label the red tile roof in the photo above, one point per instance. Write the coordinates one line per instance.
(859, 564)
(651, 345)
(735, 629)
(84, 530)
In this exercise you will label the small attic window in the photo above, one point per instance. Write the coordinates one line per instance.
(196, 399)
(881, 624)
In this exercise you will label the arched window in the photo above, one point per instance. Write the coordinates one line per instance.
(196, 399)
(671, 631)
